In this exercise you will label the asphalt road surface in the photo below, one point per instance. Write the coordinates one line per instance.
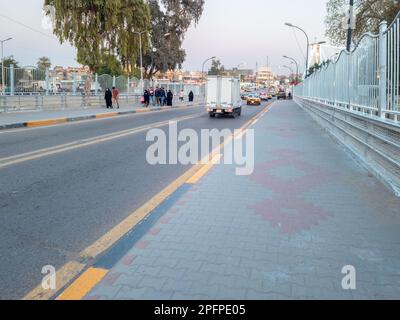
(63, 187)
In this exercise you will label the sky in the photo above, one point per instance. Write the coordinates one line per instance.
(236, 31)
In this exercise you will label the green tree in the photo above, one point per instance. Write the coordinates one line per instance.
(44, 63)
(171, 18)
(8, 61)
(369, 14)
(102, 30)
(216, 68)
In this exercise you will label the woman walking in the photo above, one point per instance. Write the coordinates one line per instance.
(108, 98)
(170, 97)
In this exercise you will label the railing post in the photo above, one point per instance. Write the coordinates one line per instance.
(382, 69)
(96, 84)
(128, 87)
(12, 80)
(47, 82)
(74, 84)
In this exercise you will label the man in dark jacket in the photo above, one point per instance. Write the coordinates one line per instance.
(108, 97)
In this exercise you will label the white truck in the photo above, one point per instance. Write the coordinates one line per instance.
(223, 96)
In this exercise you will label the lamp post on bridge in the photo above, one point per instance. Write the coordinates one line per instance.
(308, 42)
(297, 67)
(202, 68)
(2, 64)
(350, 25)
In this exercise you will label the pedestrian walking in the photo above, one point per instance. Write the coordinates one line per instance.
(146, 96)
(158, 96)
(181, 94)
(170, 97)
(115, 95)
(151, 94)
(163, 97)
(108, 98)
(191, 96)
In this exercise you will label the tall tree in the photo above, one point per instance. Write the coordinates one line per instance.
(170, 22)
(369, 14)
(8, 61)
(44, 63)
(216, 68)
(102, 29)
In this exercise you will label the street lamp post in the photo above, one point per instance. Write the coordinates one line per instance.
(2, 64)
(291, 70)
(204, 63)
(141, 54)
(202, 69)
(308, 42)
(350, 23)
(297, 66)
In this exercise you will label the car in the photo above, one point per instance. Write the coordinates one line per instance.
(254, 99)
(282, 95)
(264, 96)
(244, 96)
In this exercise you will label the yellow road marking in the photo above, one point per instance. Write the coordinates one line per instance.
(83, 285)
(41, 123)
(106, 115)
(115, 234)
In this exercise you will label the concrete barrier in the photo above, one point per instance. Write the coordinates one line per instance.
(374, 141)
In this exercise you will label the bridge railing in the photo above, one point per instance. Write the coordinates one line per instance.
(365, 80)
(34, 89)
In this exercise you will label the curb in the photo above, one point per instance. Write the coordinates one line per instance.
(55, 121)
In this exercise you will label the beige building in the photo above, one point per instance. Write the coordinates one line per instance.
(264, 76)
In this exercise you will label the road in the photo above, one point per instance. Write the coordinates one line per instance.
(65, 186)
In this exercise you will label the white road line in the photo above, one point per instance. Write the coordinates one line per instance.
(8, 161)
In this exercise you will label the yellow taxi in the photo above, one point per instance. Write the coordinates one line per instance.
(253, 99)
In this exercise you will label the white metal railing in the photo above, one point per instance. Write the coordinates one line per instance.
(365, 80)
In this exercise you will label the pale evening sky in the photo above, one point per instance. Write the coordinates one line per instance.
(235, 31)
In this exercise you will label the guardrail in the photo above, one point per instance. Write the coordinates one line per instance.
(366, 80)
(356, 98)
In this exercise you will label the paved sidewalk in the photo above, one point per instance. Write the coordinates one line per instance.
(20, 119)
(285, 232)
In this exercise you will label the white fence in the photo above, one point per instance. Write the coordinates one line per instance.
(33, 89)
(365, 80)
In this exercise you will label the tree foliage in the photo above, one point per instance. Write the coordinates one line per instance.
(172, 18)
(43, 63)
(369, 14)
(217, 68)
(8, 61)
(102, 30)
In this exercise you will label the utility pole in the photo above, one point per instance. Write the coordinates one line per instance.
(350, 25)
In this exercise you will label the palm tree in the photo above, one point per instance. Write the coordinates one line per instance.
(44, 63)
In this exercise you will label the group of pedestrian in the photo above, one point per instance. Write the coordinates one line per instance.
(182, 96)
(159, 97)
(112, 98)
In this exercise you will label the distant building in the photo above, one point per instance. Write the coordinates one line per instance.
(264, 76)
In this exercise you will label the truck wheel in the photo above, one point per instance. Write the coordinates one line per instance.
(212, 115)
